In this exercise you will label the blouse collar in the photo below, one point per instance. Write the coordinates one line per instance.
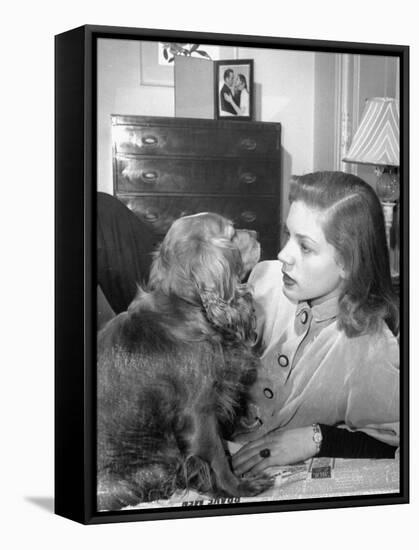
(325, 311)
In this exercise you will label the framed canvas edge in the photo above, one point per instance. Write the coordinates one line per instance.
(72, 254)
(387, 499)
(240, 40)
(77, 378)
(405, 263)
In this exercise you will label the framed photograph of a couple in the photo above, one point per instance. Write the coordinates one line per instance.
(231, 295)
(234, 89)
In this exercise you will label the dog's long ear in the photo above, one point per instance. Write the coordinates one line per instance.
(216, 269)
(159, 266)
(234, 319)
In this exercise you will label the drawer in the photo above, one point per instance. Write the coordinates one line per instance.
(196, 141)
(166, 175)
(159, 212)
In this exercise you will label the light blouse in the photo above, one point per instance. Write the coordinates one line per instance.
(313, 373)
(244, 102)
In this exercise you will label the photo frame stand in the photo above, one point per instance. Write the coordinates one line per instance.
(190, 101)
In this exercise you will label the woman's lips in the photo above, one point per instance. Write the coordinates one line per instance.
(287, 279)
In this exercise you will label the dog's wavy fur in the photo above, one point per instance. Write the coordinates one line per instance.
(173, 372)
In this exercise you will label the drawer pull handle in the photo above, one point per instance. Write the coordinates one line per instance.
(248, 216)
(248, 144)
(248, 177)
(149, 140)
(151, 216)
(149, 177)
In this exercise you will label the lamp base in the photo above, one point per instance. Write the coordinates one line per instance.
(388, 210)
(388, 207)
(387, 185)
(388, 191)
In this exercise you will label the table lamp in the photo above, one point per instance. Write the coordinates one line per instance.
(376, 142)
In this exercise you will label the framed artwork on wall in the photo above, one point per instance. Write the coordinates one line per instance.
(152, 71)
(205, 363)
(157, 59)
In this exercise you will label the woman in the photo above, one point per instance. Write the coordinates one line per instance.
(329, 385)
(240, 103)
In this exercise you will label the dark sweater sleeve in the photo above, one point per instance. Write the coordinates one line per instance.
(341, 443)
(124, 251)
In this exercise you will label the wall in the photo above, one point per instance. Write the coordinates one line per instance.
(342, 85)
(304, 91)
(120, 92)
(284, 93)
(326, 112)
(375, 77)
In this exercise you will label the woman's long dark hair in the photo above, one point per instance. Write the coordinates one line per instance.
(353, 223)
(243, 80)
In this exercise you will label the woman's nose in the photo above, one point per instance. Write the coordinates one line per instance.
(284, 255)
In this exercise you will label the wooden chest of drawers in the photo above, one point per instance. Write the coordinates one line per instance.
(164, 168)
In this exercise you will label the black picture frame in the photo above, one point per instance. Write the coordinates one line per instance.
(241, 105)
(75, 268)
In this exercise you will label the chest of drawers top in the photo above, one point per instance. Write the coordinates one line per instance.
(184, 137)
(165, 168)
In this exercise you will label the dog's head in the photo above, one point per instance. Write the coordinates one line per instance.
(249, 246)
(200, 260)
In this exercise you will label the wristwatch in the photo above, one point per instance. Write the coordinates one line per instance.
(317, 437)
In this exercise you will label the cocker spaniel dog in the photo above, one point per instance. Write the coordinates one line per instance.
(174, 369)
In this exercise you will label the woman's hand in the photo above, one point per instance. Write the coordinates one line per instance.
(228, 98)
(283, 447)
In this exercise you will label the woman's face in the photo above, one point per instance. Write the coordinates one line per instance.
(309, 266)
(239, 84)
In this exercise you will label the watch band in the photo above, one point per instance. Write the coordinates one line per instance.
(317, 437)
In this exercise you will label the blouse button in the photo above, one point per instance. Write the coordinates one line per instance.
(283, 361)
(268, 393)
(304, 317)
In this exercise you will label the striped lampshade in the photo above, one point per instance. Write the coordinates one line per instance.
(377, 139)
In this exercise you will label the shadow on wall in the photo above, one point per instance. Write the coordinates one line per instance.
(257, 98)
(286, 159)
(286, 167)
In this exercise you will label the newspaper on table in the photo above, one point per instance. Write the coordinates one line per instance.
(314, 478)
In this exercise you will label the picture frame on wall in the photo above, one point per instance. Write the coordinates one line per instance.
(164, 406)
(234, 89)
(153, 72)
(157, 59)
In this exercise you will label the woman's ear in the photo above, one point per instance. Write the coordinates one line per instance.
(343, 272)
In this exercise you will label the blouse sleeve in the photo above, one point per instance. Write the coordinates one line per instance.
(372, 404)
(341, 443)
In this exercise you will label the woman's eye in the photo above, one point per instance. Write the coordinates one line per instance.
(305, 249)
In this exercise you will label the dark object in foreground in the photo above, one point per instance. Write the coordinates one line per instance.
(173, 372)
(124, 251)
